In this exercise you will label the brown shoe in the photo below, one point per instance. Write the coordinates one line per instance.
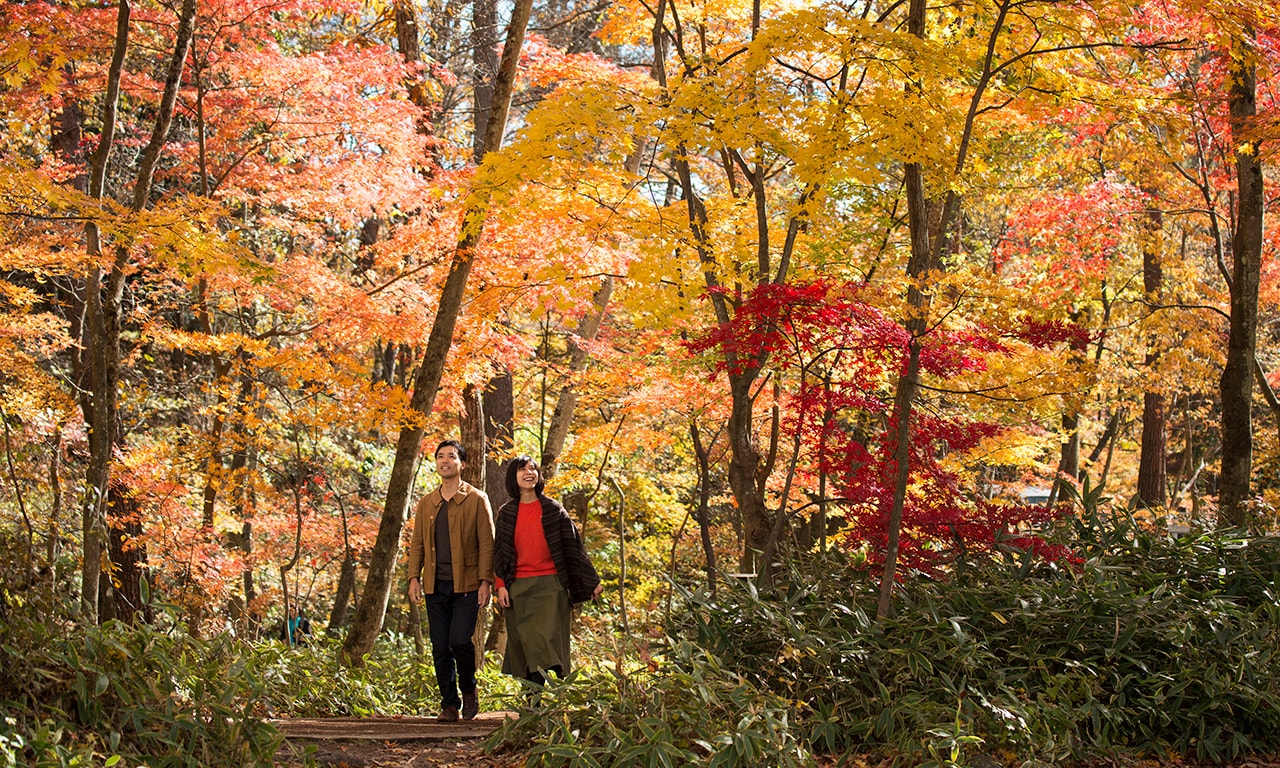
(470, 705)
(448, 715)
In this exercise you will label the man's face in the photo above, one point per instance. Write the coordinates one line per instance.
(448, 465)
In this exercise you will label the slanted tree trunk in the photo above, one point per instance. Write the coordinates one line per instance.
(377, 590)
(1246, 253)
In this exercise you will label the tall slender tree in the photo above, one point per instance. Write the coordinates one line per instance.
(377, 590)
(1246, 255)
(104, 293)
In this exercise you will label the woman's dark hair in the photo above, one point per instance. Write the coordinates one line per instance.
(513, 469)
(462, 452)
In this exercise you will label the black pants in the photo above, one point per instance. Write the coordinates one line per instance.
(451, 617)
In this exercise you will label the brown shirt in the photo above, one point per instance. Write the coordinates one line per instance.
(470, 539)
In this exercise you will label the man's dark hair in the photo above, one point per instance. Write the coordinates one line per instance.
(462, 452)
(513, 469)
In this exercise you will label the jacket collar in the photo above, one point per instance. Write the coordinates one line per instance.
(464, 488)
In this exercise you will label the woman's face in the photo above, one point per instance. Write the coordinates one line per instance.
(527, 477)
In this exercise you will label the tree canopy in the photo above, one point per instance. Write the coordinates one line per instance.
(755, 280)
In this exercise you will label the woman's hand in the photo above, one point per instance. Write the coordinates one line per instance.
(596, 592)
(504, 597)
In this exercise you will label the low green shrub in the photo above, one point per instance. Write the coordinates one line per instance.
(1145, 645)
(310, 681)
(1152, 644)
(694, 712)
(73, 694)
(128, 695)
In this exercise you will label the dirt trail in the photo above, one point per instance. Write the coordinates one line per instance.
(391, 742)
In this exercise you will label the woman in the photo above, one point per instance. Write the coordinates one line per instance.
(541, 569)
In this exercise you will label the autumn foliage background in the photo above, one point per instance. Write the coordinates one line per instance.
(754, 282)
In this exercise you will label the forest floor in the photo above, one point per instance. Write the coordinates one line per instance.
(422, 742)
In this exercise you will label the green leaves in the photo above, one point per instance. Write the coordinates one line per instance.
(690, 712)
(139, 694)
(1155, 644)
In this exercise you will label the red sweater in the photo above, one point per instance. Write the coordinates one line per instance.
(533, 556)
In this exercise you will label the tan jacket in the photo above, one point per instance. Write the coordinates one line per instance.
(470, 539)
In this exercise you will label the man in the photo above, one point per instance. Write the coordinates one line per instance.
(451, 566)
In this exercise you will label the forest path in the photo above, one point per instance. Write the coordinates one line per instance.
(391, 742)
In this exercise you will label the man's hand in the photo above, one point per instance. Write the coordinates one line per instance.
(415, 590)
(596, 592)
(483, 596)
(504, 597)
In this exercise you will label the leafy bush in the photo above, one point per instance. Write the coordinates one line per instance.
(1153, 644)
(76, 694)
(114, 694)
(1147, 644)
(693, 713)
(310, 681)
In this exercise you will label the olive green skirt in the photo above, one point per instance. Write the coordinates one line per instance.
(537, 626)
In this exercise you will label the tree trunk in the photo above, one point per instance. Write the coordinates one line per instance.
(918, 264)
(1246, 253)
(244, 496)
(1152, 472)
(53, 545)
(499, 428)
(342, 598)
(1069, 460)
(103, 297)
(702, 453)
(567, 401)
(929, 240)
(484, 42)
(377, 590)
(498, 399)
(473, 472)
(97, 403)
(471, 427)
(127, 555)
(744, 477)
(346, 579)
(28, 530)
